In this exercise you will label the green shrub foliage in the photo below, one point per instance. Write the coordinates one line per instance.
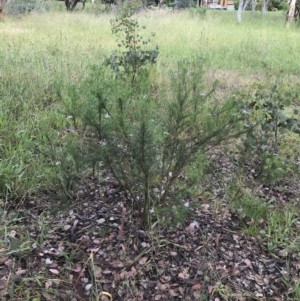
(153, 140)
(134, 56)
(270, 116)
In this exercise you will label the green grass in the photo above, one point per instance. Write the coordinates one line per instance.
(255, 45)
(76, 40)
(268, 221)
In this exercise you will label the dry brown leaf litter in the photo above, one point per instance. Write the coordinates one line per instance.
(97, 247)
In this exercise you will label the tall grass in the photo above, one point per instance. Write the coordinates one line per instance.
(40, 53)
(76, 40)
(254, 45)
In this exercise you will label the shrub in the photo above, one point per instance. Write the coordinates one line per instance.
(270, 118)
(135, 57)
(156, 148)
(182, 4)
(16, 7)
(198, 11)
(154, 144)
(278, 5)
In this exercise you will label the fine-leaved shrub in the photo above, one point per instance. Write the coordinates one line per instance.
(153, 142)
(134, 55)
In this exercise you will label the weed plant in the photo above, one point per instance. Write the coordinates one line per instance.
(270, 118)
(263, 219)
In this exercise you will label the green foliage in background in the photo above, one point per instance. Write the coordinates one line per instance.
(273, 5)
(15, 7)
(134, 56)
(199, 11)
(271, 116)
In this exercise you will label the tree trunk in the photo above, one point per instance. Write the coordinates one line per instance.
(291, 12)
(239, 11)
(160, 4)
(253, 6)
(1, 12)
(246, 4)
(264, 7)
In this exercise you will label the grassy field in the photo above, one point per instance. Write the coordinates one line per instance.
(42, 55)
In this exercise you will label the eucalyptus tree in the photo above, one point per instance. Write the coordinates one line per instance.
(253, 6)
(71, 4)
(264, 6)
(291, 12)
(239, 11)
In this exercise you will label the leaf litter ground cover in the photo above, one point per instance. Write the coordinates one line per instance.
(97, 250)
